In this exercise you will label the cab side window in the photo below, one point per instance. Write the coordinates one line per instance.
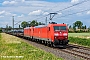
(49, 29)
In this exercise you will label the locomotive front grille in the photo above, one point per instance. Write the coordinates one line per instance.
(61, 42)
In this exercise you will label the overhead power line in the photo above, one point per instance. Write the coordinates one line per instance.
(73, 13)
(73, 5)
(64, 8)
(17, 23)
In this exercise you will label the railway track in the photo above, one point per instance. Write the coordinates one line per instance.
(79, 47)
(79, 51)
(76, 54)
(75, 50)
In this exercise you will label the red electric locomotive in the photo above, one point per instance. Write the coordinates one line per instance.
(52, 34)
(28, 32)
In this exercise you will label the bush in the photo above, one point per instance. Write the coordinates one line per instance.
(80, 41)
(0, 30)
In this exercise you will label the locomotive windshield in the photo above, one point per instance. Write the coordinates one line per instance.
(59, 28)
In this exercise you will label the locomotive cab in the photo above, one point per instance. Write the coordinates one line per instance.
(60, 34)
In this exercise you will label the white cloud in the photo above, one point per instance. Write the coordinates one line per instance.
(9, 2)
(23, 0)
(5, 2)
(60, 13)
(88, 12)
(45, 13)
(41, 8)
(14, 14)
(7, 13)
(4, 23)
(2, 12)
(37, 12)
(13, 2)
(21, 15)
(74, 1)
(38, 4)
(79, 14)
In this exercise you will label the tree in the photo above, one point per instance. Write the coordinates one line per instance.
(34, 23)
(89, 28)
(70, 27)
(24, 24)
(85, 27)
(74, 28)
(40, 23)
(10, 27)
(19, 26)
(6, 26)
(78, 24)
(0, 30)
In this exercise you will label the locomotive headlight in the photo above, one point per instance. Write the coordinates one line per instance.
(65, 34)
(56, 34)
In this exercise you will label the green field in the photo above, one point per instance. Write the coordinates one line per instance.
(80, 38)
(79, 34)
(13, 48)
(0, 36)
(80, 41)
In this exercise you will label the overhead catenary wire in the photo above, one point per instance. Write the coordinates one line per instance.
(17, 22)
(73, 13)
(65, 8)
(73, 5)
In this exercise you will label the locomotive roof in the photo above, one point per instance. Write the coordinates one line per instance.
(26, 27)
(57, 24)
(40, 26)
(46, 26)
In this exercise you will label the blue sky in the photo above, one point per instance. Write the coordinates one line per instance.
(47, 0)
(1, 1)
(24, 10)
(58, 0)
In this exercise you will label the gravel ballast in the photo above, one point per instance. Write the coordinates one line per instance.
(56, 52)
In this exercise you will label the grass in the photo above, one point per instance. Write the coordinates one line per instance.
(0, 36)
(80, 38)
(13, 48)
(80, 41)
(79, 34)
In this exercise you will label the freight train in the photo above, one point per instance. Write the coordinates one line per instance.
(53, 34)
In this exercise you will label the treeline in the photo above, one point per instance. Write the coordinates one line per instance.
(78, 27)
(0, 30)
(25, 24)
